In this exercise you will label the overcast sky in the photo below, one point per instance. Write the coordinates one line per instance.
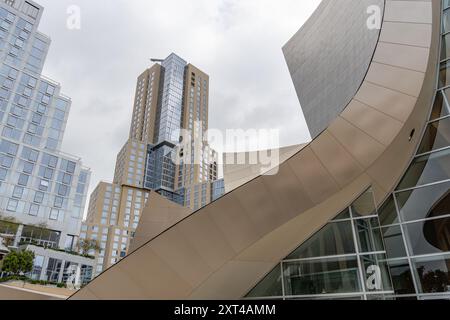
(237, 42)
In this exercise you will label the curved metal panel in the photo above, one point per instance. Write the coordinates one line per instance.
(329, 56)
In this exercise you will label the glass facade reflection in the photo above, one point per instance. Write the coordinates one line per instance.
(407, 240)
(345, 259)
(170, 109)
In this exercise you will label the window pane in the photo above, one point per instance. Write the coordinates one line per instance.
(422, 203)
(437, 136)
(388, 212)
(369, 235)
(393, 240)
(334, 239)
(322, 277)
(343, 215)
(270, 286)
(446, 21)
(444, 75)
(446, 4)
(427, 237)
(433, 273)
(364, 205)
(401, 277)
(427, 169)
(445, 48)
(376, 273)
(440, 108)
(34, 210)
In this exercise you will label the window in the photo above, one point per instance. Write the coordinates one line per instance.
(23, 179)
(71, 167)
(49, 160)
(393, 239)
(271, 288)
(434, 273)
(38, 197)
(54, 214)
(428, 237)
(50, 90)
(427, 169)
(17, 192)
(30, 154)
(58, 202)
(32, 82)
(41, 109)
(436, 136)
(62, 190)
(69, 243)
(3, 173)
(30, 10)
(12, 205)
(34, 210)
(9, 148)
(308, 278)
(83, 177)
(48, 173)
(32, 128)
(67, 178)
(28, 167)
(415, 204)
(10, 2)
(38, 264)
(44, 184)
(6, 161)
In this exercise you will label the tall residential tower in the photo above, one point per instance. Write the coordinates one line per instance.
(171, 96)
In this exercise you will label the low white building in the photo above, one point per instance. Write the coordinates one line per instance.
(60, 267)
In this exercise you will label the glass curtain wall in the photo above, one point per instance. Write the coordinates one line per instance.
(346, 259)
(415, 220)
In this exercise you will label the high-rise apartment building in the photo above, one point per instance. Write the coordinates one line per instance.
(171, 97)
(42, 190)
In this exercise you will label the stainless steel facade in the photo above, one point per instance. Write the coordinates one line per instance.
(329, 56)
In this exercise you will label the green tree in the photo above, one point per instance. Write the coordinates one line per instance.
(86, 245)
(17, 262)
(26, 259)
(8, 241)
(11, 263)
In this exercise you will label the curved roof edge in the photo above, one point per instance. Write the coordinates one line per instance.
(329, 56)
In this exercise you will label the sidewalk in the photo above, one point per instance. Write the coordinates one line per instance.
(18, 290)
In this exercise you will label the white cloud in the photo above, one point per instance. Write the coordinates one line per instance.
(238, 43)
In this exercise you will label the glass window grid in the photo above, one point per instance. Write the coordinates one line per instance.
(410, 257)
(401, 222)
(363, 293)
